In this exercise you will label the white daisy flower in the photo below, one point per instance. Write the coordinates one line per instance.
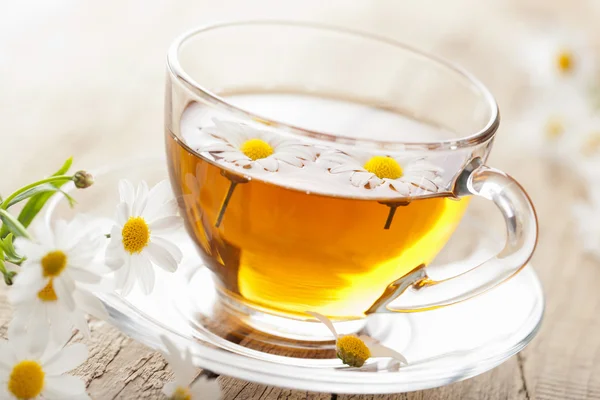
(559, 127)
(354, 350)
(52, 285)
(136, 240)
(248, 147)
(404, 175)
(560, 58)
(185, 387)
(31, 368)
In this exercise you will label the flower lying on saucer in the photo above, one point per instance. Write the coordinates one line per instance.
(136, 242)
(30, 367)
(246, 146)
(185, 371)
(402, 175)
(48, 289)
(354, 350)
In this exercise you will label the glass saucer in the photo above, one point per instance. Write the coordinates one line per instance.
(442, 346)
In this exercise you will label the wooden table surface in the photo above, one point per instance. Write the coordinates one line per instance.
(86, 79)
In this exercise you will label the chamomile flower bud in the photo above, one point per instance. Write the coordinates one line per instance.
(83, 179)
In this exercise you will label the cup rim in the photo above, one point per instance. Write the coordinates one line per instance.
(486, 133)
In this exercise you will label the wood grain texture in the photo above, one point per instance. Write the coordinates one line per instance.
(93, 88)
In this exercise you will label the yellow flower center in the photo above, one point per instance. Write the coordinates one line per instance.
(564, 61)
(181, 393)
(352, 351)
(384, 167)
(255, 149)
(48, 293)
(135, 234)
(53, 263)
(26, 380)
(554, 128)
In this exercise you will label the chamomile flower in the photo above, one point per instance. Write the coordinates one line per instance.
(249, 147)
(558, 127)
(560, 58)
(136, 241)
(52, 285)
(403, 175)
(31, 368)
(354, 350)
(185, 387)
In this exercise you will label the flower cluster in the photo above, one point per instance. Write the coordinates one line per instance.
(564, 122)
(54, 271)
(248, 147)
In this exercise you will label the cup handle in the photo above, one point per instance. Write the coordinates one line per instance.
(417, 292)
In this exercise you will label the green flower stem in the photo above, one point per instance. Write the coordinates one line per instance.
(14, 225)
(51, 179)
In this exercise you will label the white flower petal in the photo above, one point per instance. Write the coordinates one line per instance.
(171, 247)
(82, 275)
(129, 277)
(146, 274)
(60, 321)
(289, 158)
(141, 198)
(182, 366)
(126, 192)
(38, 333)
(161, 257)
(44, 236)
(343, 168)
(159, 196)
(64, 386)
(379, 350)
(205, 388)
(270, 163)
(325, 321)
(166, 224)
(169, 388)
(90, 304)
(217, 147)
(123, 213)
(233, 156)
(64, 291)
(361, 178)
(33, 251)
(30, 277)
(66, 360)
(401, 187)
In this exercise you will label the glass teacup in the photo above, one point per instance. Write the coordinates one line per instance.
(321, 169)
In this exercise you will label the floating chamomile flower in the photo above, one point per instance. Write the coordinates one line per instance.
(185, 387)
(136, 242)
(50, 288)
(248, 147)
(354, 350)
(31, 368)
(402, 174)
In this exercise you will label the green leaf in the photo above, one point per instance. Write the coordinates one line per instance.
(45, 187)
(13, 224)
(37, 202)
(10, 253)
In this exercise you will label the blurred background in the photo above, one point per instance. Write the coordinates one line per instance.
(86, 79)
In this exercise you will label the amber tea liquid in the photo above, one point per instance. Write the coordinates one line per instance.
(290, 250)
